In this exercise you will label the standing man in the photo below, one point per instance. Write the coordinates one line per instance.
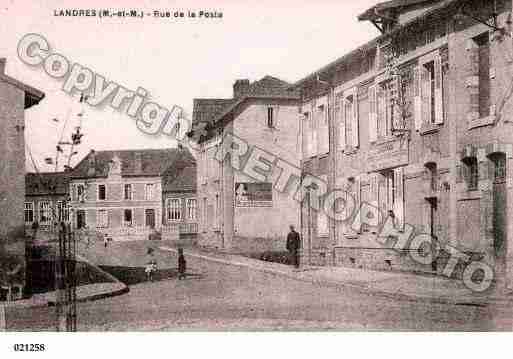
(293, 245)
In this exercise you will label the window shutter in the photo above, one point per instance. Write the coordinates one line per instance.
(398, 110)
(357, 197)
(313, 134)
(342, 124)
(473, 79)
(381, 111)
(426, 95)
(373, 123)
(417, 100)
(355, 132)
(439, 98)
(399, 197)
(374, 190)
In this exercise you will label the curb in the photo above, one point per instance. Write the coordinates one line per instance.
(343, 285)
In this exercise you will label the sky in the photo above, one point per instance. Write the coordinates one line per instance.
(175, 60)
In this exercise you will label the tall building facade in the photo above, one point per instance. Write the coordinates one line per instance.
(237, 210)
(416, 123)
(15, 98)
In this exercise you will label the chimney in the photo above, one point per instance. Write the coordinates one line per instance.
(138, 162)
(2, 65)
(91, 171)
(240, 88)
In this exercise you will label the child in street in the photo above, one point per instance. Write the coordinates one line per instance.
(182, 264)
(151, 268)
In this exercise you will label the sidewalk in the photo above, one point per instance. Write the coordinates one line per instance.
(395, 285)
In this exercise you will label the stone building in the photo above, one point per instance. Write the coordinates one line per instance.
(416, 122)
(46, 197)
(120, 193)
(239, 211)
(15, 98)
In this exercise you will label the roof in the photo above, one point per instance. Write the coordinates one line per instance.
(180, 180)
(372, 13)
(46, 183)
(153, 162)
(211, 111)
(32, 95)
(436, 10)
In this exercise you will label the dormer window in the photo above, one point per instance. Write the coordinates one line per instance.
(270, 117)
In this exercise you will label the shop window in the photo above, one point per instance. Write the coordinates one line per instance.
(499, 167)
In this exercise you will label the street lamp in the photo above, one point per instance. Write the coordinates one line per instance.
(461, 15)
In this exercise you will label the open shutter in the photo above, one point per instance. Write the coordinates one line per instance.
(374, 190)
(439, 98)
(381, 111)
(355, 132)
(425, 95)
(399, 197)
(358, 194)
(314, 130)
(473, 79)
(417, 100)
(373, 123)
(398, 121)
(342, 124)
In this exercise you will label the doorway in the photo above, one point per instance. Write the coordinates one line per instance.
(433, 226)
(499, 211)
(150, 218)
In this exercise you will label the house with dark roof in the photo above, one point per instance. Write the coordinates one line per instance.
(235, 207)
(46, 197)
(120, 193)
(15, 98)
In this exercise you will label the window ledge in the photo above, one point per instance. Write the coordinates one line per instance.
(350, 150)
(430, 128)
(480, 122)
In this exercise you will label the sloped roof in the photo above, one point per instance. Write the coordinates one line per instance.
(46, 183)
(389, 5)
(436, 10)
(153, 162)
(211, 111)
(180, 180)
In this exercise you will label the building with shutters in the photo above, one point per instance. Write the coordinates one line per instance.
(239, 212)
(130, 194)
(417, 122)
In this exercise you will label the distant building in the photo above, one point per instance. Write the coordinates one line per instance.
(46, 200)
(237, 211)
(120, 193)
(15, 98)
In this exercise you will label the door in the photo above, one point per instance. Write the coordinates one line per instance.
(81, 220)
(499, 212)
(150, 218)
(433, 227)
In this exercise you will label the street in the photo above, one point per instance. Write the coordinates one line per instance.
(222, 297)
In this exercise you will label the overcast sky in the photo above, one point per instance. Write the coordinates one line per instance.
(175, 60)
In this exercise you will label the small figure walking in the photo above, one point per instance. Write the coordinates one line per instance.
(151, 268)
(293, 246)
(182, 264)
(105, 240)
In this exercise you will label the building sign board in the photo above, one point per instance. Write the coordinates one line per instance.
(253, 194)
(388, 154)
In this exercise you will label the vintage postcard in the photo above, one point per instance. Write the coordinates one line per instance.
(256, 166)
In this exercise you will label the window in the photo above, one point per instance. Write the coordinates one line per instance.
(45, 212)
(472, 173)
(217, 214)
(204, 214)
(270, 117)
(29, 212)
(307, 135)
(322, 223)
(102, 195)
(128, 217)
(128, 192)
(483, 44)
(429, 83)
(60, 211)
(385, 107)
(433, 176)
(148, 192)
(191, 208)
(80, 192)
(348, 115)
(499, 167)
(389, 199)
(103, 218)
(174, 209)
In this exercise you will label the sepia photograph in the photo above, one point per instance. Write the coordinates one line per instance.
(341, 166)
